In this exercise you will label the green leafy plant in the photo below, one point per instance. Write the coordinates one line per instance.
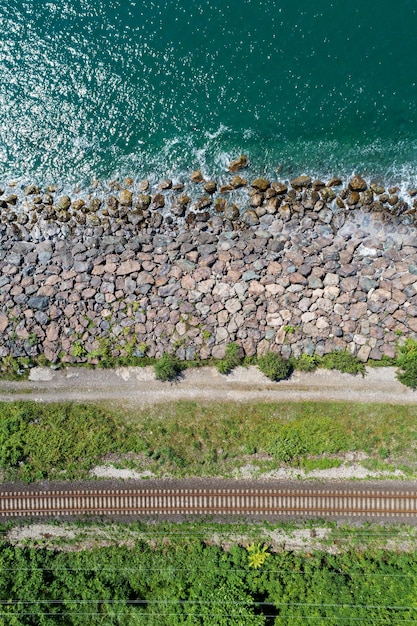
(257, 555)
(274, 366)
(289, 329)
(407, 362)
(306, 363)
(167, 367)
(232, 359)
(343, 361)
(78, 351)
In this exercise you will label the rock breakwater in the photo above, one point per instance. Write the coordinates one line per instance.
(188, 267)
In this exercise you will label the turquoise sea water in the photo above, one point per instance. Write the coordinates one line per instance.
(103, 88)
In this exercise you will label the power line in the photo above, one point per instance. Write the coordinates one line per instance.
(140, 570)
(254, 603)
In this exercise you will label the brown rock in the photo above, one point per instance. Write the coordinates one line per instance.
(261, 184)
(377, 188)
(250, 218)
(280, 188)
(237, 181)
(353, 198)
(357, 183)
(210, 186)
(128, 267)
(272, 205)
(334, 182)
(77, 205)
(202, 203)
(256, 200)
(125, 197)
(184, 200)
(300, 182)
(238, 163)
(284, 212)
(232, 213)
(64, 202)
(220, 205)
(4, 322)
(158, 201)
(52, 332)
(197, 176)
(31, 190)
(143, 185)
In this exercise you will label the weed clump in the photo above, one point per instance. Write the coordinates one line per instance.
(343, 361)
(407, 362)
(167, 367)
(274, 366)
(306, 363)
(232, 359)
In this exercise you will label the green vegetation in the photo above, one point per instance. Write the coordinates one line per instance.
(257, 555)
(343, 361)
(42, 441)
(167, 367)
(306, 363)
(126, 352)
(196, 439)
(274, 366)
(185, 581)
(232, 358)
(407, 362)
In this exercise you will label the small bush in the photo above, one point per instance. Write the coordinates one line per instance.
(232, 359)
(78, 351)
(306, 363)
(274, 366)
(167, 367)
(407, 362)
(344, 361)
(289, 447)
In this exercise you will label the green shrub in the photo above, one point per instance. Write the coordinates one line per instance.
(344, 361)
(232, 359)
(167, 367)
(78, 351)
(289, 447)
(274, 366)
(314, 436)
(306, 363)
(407, 362)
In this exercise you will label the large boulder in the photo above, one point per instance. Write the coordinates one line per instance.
(238, 163)
(261, 184)
(357, 183)
(300, 182)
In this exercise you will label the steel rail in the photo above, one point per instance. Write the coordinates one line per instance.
(209, 501)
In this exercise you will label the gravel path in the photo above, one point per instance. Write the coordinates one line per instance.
(138, 386)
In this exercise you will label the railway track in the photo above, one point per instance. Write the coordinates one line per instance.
(265, 502)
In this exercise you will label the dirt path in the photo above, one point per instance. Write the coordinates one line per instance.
(138, 385)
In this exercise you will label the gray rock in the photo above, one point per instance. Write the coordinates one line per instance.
(40, 303)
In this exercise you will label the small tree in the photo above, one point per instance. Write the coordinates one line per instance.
(274, 366)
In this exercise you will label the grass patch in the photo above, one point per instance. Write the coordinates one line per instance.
(196, 439)
(319, 464)
(43, 441)
(209, 437)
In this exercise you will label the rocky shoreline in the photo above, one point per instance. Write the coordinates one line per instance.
(305, 266)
